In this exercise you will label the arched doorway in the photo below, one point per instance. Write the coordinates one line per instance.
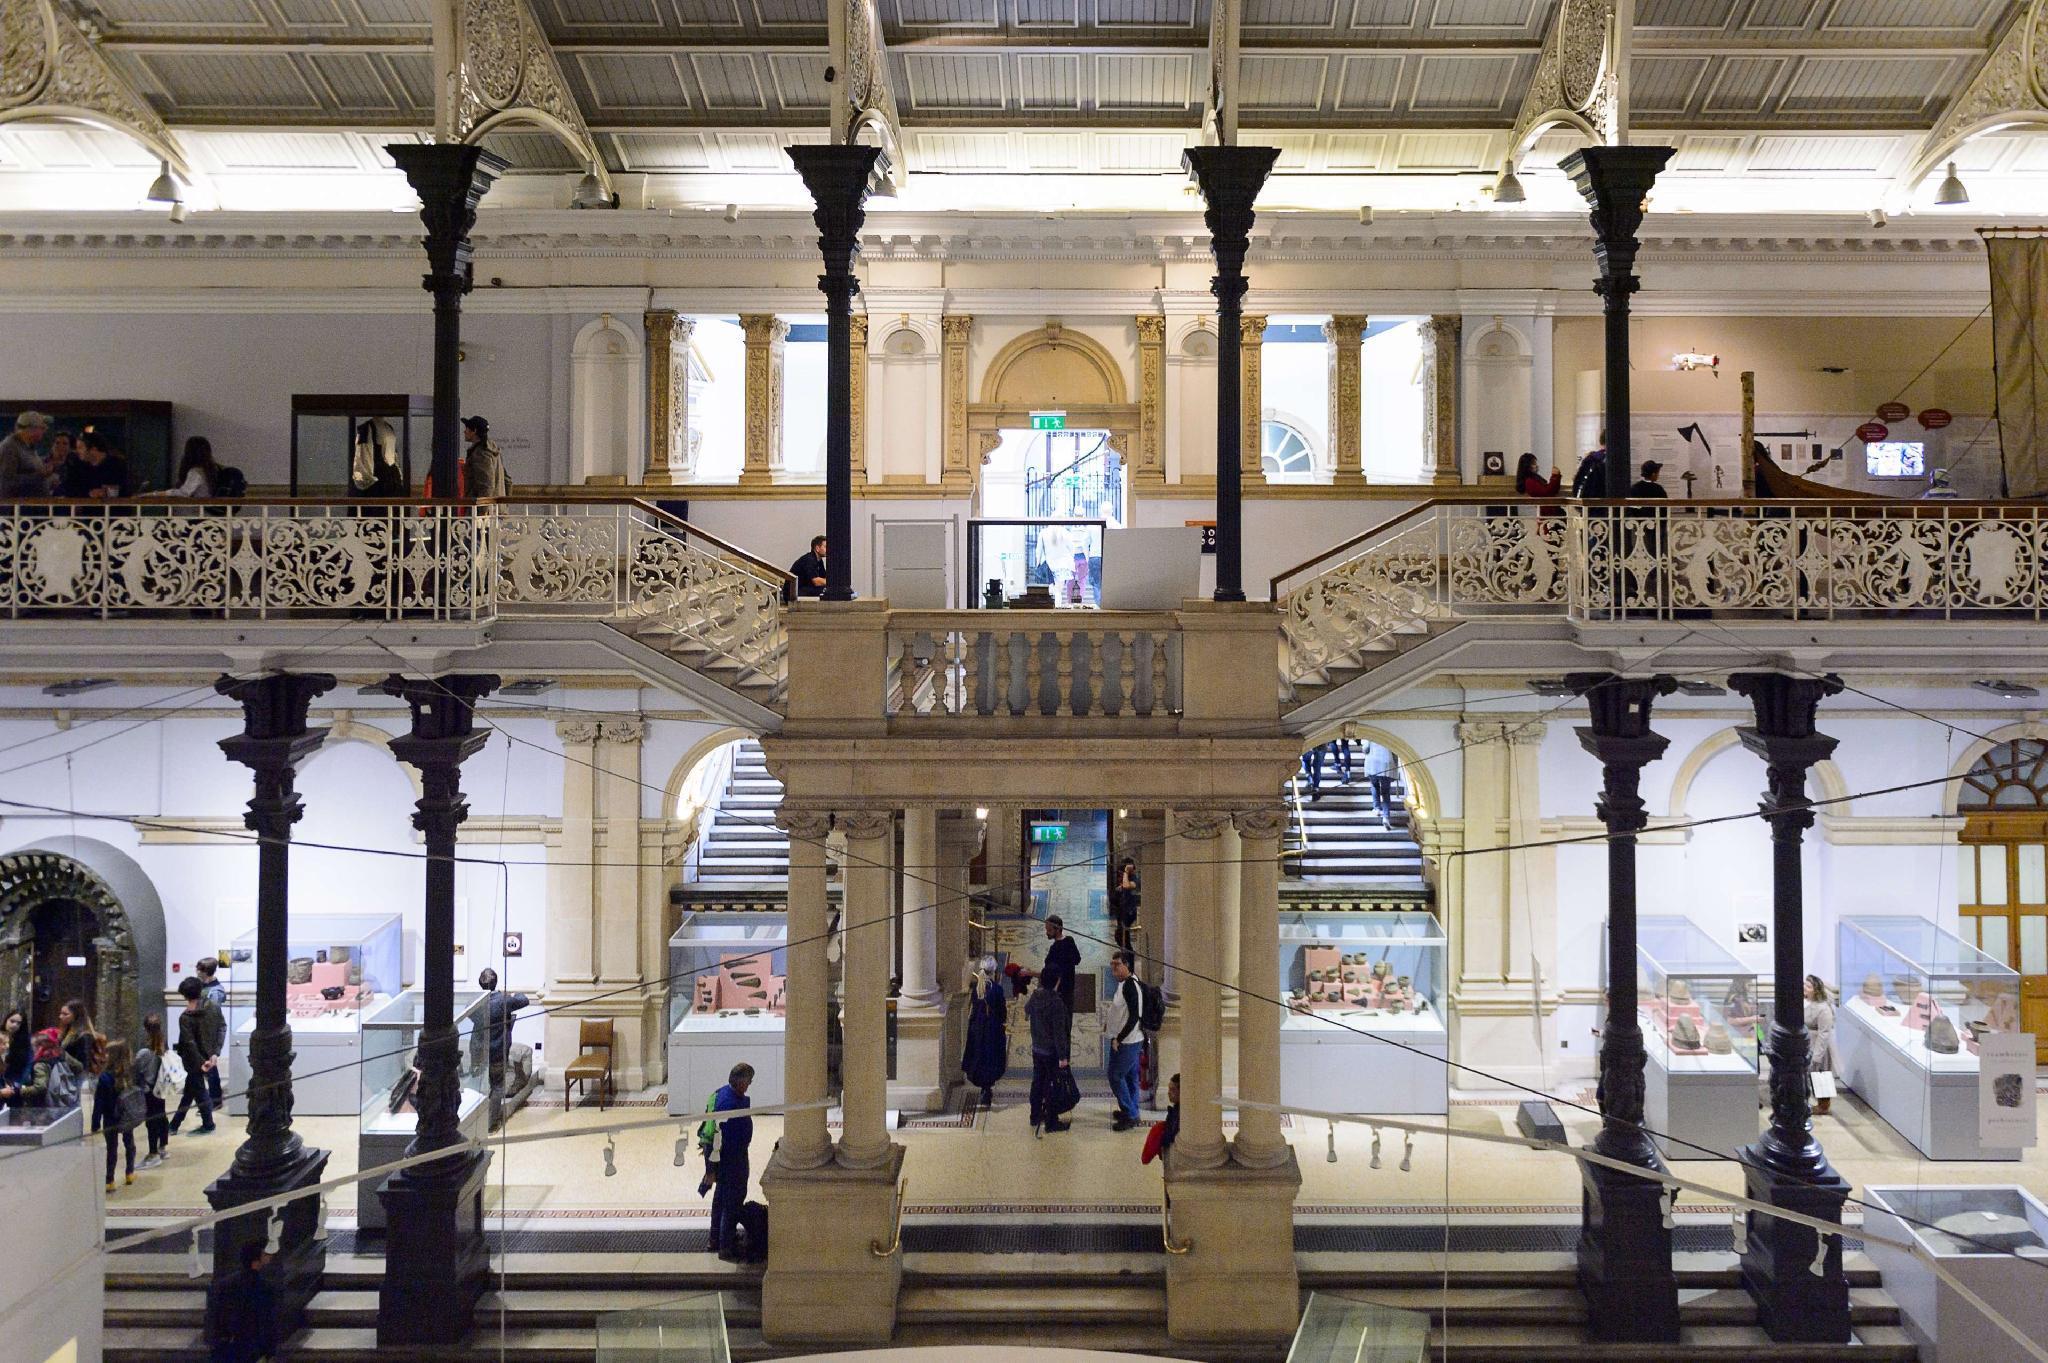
(79, 919)
(2002, 869)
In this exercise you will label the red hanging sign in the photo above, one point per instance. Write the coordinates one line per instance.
(1894, 411)
(1934, 418)
(1870, 432)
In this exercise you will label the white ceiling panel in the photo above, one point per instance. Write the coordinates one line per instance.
(754, 151)
(1047, 13)
(1484, 13)
(311, 13)
(173, 14)
(789, 13)
(2032, 155)
(1369, 84)
(1867, 84)
(1049, 80)
(534, 152)
(413, 72)
(1145, 13)
(605, 13)
(799, 78)
(1286, 83)
(1143, 81)
(1710, 15)
(1297, 150)
(1665, 85)
(1780, 14)
(1355, 151)
(1704, 154)
(1443, 151)
(353, 82)
(1743, 85)
(51, 148)
(1821, 155)
(1385, 13)
(1152, 153)
(253, 151)
(729, 80)
(1887, 15)
(963, 151)
(946, 80)
(661, 151)
(1055, 151)
(708, 13)
(394, 13)
(1464, 84)
(241, 80)
(948, 14)
(1294, 14)
(621, 81)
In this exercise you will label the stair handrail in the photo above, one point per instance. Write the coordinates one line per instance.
(753, 564)
(1173, 1247)
(1336, 550)
(875, 1247)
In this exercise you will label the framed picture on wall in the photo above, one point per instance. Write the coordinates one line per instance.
(1494, 464)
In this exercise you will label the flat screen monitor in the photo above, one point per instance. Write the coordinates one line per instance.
(1896, 458)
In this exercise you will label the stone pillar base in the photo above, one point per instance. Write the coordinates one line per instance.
(1625, 1259)
(296, 1270)
(1793, 1303)
(1237, 1283)
(436, 1264)
(825, 1283)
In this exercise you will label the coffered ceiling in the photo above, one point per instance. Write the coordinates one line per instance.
(1794, 89)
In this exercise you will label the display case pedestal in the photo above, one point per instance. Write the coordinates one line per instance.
(1325, 1064)
(1237, 1282)
(301, 1260)
(435, 1245)
(703, 1050)
(1703, 1100)
(1946, 1325)
(374, 1147)
(1936, 1110)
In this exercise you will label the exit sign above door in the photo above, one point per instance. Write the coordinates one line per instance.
(1048, 421)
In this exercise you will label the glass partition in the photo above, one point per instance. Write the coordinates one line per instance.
(1354, 981)
(686, 1330)
(1700, 1015)
(389, 1076)
(1340, 1330)
(1062, 559)
(726, 1004)
(339, 969)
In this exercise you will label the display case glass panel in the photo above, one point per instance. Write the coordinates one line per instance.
(338, 967)
(727, 966)
(391, 1041)
(1061, 557)
(1924, 991)
(1696, 1003)
(1386, 969)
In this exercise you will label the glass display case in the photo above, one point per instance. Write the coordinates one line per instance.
(1351, 978)
(339, 968)
(389, 1080)
(360, 444)
(726, 976)
(1060, 558)
(1698, 1008)
(1989, 1242)
(139, 429)
(1916, 1003)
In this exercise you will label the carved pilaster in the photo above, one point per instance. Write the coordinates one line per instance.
(857, 392)
(1149, 468)
(766, 337)
(1252, 335)
(1347, 404)
(1441, 339)
(954, 331)
(668, 394)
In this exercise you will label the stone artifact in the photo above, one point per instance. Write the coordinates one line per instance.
(1685, 1036)
(299, 970)
(1680, 992)
(1718, 1041)
(1941, 1035)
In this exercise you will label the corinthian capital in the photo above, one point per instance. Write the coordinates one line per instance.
(1261, 823)
(861, 824)
(576, 730)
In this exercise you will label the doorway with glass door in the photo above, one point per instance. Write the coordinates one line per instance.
(1046, 497)
(2002, 904)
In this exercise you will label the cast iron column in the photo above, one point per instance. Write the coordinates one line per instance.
(436, 1264)
(273, 1160)
(1787, 1167)
(1616, 181)
(1624, 1250)
(450, 178)
(838, 178)
(1230, 178)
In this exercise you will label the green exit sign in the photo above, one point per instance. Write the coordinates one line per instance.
(1049, 421)
(1048, 832)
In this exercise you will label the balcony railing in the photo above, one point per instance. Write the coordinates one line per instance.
(1032, 663)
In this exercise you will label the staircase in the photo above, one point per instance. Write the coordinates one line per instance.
(743, 847)
(1523, 1311)
(1339, 838)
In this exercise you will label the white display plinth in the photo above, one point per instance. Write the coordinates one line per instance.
(384, 1137)
(1708, 1100)
(1341, 1065)
(53, 1294)
(1928, 1098)
(703, 1050)
(326, 1052)
(1946, 1327)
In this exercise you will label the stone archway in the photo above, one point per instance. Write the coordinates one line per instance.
(128, 944)
(1053, 369)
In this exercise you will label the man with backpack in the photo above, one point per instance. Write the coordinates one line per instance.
(202, 1033)
(1123, 1022)
(725, 1160)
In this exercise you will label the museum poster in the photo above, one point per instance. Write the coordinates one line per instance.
(2005, 1092)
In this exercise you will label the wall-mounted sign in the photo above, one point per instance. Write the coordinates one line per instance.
(1893, 411)
(1870, 432)
(515, 944)
(2005, 1090)
(1208, 529)
(1494, 464)
(1048, 832)
(1048, 421)
(1934, 418)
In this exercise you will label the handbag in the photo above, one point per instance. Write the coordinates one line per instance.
(1822, 1082)
(130, 1110)
(1066, 1093)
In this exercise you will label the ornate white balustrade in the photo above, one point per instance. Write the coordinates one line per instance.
(1608, 562)
(1033, 663)
(685, 592)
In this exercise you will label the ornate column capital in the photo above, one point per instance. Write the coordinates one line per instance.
(1265, 822)
(1151, 328)
(861, 825)
(1199, 824)
(576, 730)
(804, 825)
(632, 730)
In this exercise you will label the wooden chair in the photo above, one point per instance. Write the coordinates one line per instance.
(593, 1035)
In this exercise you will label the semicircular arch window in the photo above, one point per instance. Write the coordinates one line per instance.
(1284, 452)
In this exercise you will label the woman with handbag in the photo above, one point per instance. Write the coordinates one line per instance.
(1820, 1029)
(118, 1106)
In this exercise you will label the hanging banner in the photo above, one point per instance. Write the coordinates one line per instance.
(1870, 432)
(1934, 418)
(2019, 295)
(1893, 411)
(2005, 1090)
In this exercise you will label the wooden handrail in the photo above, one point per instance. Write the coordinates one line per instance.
(782, 575)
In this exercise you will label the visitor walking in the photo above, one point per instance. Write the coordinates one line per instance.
(200, 1033)
(1062, 961)
(1122, 1013)
(1380, 768)
(1820, 1029)
(809, 569)
(1050, 1019)
(149, 1073)
(1589, 482)
(725, 1160)
(483, 463)
(216, 994)
(500, 1008)
(987, 1056)
(117, 1106)
(241, 1311)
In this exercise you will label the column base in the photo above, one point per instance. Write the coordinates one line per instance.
(825, 1283)
(1793, 1303)
(1625, 1259)
(1444, 478)
(436, 1264)
(1237, 1282)
(756, 478)
(301, 1260)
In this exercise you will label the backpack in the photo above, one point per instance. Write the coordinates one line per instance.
(1151, 1007)
(230, 482)
(753, 1233)
(170, 1077)
(62, 1090)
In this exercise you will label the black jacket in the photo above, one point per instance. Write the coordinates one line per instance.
(1049, 1021)
(806, 568)
(242, 1318)
(1590, 482)
(1062, 959)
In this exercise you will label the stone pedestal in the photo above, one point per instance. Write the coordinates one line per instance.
(296, 1269)
(836, 1288)
(1625, 1258)
(435, 1247)
(1793, 1303)
(1237, 1281)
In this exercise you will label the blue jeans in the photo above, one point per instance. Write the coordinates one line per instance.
(728, 1192)
(1123, 1076)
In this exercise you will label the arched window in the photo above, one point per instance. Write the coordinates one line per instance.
(2012, 775)
(1284, 453)
(2002, 870)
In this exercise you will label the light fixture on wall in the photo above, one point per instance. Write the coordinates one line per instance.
(78, 686)
(527, 686)
(1951, 194)
(1695, 687)
(1365, 215)
(2007, 690)
(164, 188)
(591, 193)
(1508, 188)
(732, 212)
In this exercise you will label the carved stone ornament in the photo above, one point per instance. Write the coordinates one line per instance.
(1261, 823)
(576, 730)
(863, 824)
(504, 67)
(1582, 49)
(47, 63)
(28, 50)
(625, 730)
(2037, 51)
(1200, 824)
(494, 51)
(804, 825)
(860, 45)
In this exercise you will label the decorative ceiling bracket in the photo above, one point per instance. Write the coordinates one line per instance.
(51, 70)
(2009, 90)
(1578, 80)
(863, 104)
(1219, 101)
(504, 74)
